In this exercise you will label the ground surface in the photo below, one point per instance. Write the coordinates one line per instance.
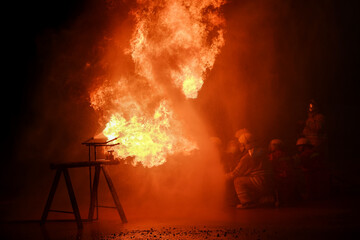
(330, 219)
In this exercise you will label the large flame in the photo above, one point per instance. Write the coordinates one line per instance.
(188, 34)
(174, 43)
(150, 139)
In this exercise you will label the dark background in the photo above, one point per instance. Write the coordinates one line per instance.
(315, 54)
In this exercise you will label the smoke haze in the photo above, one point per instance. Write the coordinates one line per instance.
(277, 56)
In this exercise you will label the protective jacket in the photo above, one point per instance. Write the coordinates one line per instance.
(314, 129)
(252, 177)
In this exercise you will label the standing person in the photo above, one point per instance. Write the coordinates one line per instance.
(283, 169)
(252, 176)
(314, 129)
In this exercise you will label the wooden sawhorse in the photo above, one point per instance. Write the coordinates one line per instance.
(100, 165)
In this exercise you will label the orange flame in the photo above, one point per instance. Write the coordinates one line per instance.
(149, 139)
(173, 43)
(188, 34)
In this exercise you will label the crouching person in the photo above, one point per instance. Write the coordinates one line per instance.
(253, 179)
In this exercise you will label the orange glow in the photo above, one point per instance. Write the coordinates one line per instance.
(180, 31)
(174, 43)
(149, 139)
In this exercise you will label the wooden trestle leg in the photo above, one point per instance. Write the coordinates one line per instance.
(51, 196)
(99, 166)
(94, 193)
(72, 198)
(114, 194)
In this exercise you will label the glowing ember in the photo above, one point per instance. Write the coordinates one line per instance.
(173, 43)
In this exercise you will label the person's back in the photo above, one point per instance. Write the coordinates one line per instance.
(315, 126)
(314, 129)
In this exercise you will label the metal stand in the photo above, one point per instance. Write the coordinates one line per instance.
(100, 166)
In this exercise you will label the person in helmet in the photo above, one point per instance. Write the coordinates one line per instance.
(252, 176)
(238, 134)
(307, 156)
(314, 129)
(283, 169)
(232, 154)
(313, 176)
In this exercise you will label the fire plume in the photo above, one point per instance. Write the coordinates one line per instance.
(189, 34)
(174, 43)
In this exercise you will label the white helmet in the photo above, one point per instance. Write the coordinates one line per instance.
(240, 132)
(248, 140)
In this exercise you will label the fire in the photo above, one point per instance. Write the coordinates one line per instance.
(188, 34)
(174, 43)
(149, 139)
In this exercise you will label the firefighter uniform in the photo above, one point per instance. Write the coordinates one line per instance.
(253, 176)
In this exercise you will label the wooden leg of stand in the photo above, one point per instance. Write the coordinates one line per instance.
(72, 198)
(94, 193)
(114, 194)
(51, 196)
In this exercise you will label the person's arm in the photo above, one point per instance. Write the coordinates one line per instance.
(240, 168)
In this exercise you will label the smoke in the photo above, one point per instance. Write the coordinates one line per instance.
(261, 79)
(275, 59)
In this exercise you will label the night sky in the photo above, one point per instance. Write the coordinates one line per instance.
(332, 71)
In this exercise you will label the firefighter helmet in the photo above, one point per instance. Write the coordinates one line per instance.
(303, 141)
(240, 132)
(248, 140)
(276, 144)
